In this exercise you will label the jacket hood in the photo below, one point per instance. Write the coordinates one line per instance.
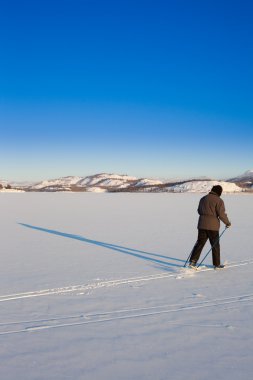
(217, 189)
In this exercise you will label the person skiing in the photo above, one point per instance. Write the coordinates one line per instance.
(211, 210)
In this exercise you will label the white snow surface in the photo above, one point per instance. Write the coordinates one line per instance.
(205, 186)
(92, 287)
(148, 182)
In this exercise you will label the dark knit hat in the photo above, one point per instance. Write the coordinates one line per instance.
(217, 189)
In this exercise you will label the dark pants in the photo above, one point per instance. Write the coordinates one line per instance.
(213, 237)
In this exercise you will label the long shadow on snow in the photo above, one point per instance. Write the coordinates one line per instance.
(114, 247)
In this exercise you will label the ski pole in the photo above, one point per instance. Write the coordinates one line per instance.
(188, 258)
(214, 244)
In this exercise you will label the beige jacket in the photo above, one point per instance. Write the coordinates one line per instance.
(211, 210)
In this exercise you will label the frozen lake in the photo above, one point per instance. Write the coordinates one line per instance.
(92, 287)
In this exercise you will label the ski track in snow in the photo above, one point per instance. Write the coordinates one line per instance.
(113, 315)
(55, 322)
(183, 273)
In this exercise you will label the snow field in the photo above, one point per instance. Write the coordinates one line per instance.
(92, 287)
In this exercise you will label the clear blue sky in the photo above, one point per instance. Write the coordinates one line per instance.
(157, 88)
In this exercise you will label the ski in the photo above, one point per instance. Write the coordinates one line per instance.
(204, 268)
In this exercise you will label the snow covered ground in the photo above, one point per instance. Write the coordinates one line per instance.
(92, 287)
(205, 186)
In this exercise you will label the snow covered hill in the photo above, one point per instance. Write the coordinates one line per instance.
(204, 187)
(148, 182)
(62, 183)
(108, 182)
(247, 175)
(95, 183)
(14, 186)
(114, 183)
(245, 179)
(3, 182)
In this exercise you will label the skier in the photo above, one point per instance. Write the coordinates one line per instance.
(211, 210)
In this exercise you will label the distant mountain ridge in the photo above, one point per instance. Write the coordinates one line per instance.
(103, 181)
(244, 178)
(108, 182)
